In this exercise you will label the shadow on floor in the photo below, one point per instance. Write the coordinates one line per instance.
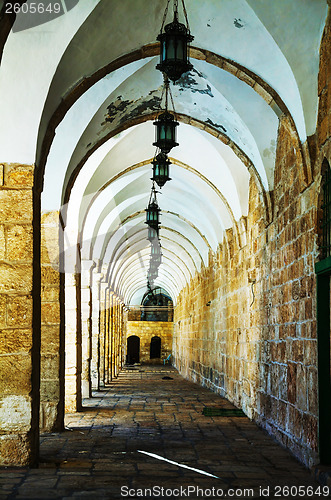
(145, 432)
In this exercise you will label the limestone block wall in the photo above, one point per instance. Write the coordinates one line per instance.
(51, 376)
(19, 374)
(145, 330)
(134, 314)
(256, 342)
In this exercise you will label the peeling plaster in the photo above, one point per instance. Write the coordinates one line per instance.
(271, 151)
(239, 23)
(187, 81)
(216, 125)
(152, 104)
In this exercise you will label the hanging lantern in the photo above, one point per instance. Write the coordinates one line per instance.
(152, 274)
(152, 215)
(156, 249)
(161, 165)
(153, 269)
(153, 233)
(165, 132)
(156, 255)
(150, 284)
(153, 265)
(152, 211)
(174, 42)
(156, 261)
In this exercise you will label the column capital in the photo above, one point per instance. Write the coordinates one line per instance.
(104, 285)
(97, 276)
(87, 265)
(86, 268)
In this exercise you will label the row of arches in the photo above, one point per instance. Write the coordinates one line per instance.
(85, 129)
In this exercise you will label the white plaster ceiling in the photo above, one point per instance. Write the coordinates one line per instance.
(102, 177)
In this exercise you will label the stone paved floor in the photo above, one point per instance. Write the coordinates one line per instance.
(99, 455)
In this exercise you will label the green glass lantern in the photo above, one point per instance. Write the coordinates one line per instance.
(153, 233)
(165, 132)
(152, 274)
(174, 43)
(156, 254)
(161, 165)
(152, 215)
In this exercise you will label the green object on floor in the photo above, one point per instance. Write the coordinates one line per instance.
(222, 412)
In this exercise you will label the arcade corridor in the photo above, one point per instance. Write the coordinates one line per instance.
(165, 198)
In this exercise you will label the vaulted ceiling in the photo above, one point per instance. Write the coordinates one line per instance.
(78, 96)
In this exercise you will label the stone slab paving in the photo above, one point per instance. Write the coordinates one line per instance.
(99, 456)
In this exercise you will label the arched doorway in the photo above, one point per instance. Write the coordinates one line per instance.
(133, 350)
(155, 349)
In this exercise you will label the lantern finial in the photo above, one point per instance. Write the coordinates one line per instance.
(174, 43)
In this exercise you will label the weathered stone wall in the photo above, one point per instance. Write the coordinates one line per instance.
(256, 341)
(52, 377)
(145, 330)
(134, 314)
(18, 386)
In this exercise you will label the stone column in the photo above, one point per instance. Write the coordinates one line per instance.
(86, 270)
(122, 337)
(95, 345)
(72, 347)
(19, 346)
(108, 336)
(102, 332)
(52, 363)
(116, 335)
(124, 334)
(112, 335)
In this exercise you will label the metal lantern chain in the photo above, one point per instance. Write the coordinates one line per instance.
(168, 91)
(165, 16)
(152, 220)
(186, 18)
(175, 14)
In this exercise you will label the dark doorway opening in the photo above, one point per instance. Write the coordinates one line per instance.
(155, 349)
(133, 350)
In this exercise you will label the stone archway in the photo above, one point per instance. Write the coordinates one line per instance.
(155, 348)
(133, 349)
